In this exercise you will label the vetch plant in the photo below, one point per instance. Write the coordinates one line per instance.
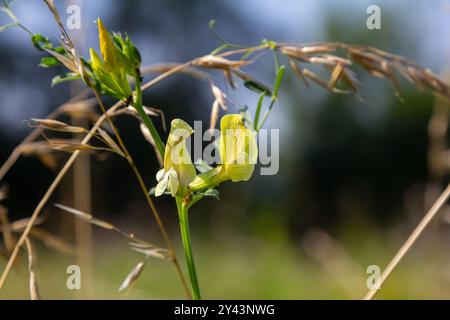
(238, 152)
(116, 72)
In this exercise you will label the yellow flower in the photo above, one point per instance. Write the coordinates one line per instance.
(238, 153)
(108, 48)
(238, 148)
(111, 72)
(178, 170)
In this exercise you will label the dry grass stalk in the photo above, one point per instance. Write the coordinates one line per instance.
(8, 238)
(46, 197)
(108, 226)
(34, 290)
(418, 231)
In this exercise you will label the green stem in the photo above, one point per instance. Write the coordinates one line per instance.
(186, 237)
(258, 111)
(146, 119)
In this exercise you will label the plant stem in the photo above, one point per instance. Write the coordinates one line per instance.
(146, 119)
(183, 212)
(258, 111)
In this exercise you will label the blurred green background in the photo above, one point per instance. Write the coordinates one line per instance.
(355, 176)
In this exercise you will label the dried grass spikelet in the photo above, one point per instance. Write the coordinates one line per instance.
(215, 62)
(298, 72)
(55, 125)
(336, 75)
(72, 146)
(87, 217)
(150, 250)
(220, 102)
(384, 65)
(132, 277)
(326, 85)
(220, 63)
(303, 52)
(376, 62)
(328, 60)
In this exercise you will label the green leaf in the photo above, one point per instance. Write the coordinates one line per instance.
(64, 78)
(40, 42)
(49, 62)
(258, 87)
(258, 110)
(278, 79)
(213, 193)
(60, 50)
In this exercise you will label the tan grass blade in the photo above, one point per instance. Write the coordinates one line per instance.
(412, 239)
(87, 217)
(33, 286)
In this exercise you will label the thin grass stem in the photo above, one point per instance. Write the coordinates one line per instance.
(445, 195)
